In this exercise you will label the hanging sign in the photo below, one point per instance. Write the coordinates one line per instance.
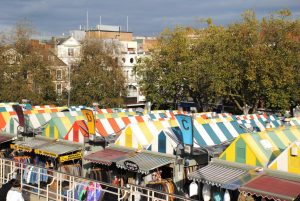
(47, 153)
(77, 155)
(19, 147)
(90, 120)
(132, 166)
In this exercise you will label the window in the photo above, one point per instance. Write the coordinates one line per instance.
(58, 89)
(58, 74)
(71, 52)
(25, 74)
(50, 58)
(131, 60)
(47, 73)
(123, 59)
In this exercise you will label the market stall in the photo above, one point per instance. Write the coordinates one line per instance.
(218, 177)
(261, 148)
(287, 161)
(142, 134)
(121, 166)
(272, 188)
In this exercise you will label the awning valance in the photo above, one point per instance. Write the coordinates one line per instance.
(57, 148)
(272, 188)
(144, 162)
(108, 156)
(218, 175)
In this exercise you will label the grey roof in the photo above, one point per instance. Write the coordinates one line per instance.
(216, 174)
(58, 148)
(33, 142)
(146, 161)
(62, 40)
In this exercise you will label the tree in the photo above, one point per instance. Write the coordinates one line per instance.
(23, 68)
(98, 75)
(165, 74)
(252, 62)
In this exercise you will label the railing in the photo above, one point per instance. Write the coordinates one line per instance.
(62, 186)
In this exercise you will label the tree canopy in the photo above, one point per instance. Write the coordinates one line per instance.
(252, 62)
(23, 67)
(98, 77)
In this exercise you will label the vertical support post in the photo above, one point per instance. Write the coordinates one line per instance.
(1, 170)
(39, 181)
(22, 170)
(69, 85)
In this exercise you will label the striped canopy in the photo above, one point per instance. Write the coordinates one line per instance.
(78, 132)
(142, 134)
(166, 141)
(286, 161)
(57, 128)
(261, 148)
(215, 133)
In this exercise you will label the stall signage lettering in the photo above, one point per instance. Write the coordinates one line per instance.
(74, 156)
(132, 166)
(45, 153)
(18, 147)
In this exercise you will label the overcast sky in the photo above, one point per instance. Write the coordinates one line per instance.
(146, 17)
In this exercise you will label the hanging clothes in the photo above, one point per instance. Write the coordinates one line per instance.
(73, 169)
(193, 189)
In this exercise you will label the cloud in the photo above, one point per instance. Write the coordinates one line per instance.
(145, 17)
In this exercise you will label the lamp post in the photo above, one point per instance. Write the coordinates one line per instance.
(69, 85)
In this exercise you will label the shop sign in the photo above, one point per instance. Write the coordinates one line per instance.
(41, 152)
(132, 166)
(70, 157)
(22, 148)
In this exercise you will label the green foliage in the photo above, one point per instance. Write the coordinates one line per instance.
(22, 69)
(98, 76)
(253, 62)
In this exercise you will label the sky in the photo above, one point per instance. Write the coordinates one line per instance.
(145, 17)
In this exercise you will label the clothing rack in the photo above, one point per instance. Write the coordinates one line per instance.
(73, 169)
(85, 190)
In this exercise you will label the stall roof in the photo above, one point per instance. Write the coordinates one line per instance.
(108, 156)
(33, 143)
(217, 174)
(5, 138)
(57, 148)
(272, 188)
(146, 161)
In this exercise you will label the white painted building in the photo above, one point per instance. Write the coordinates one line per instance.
(68, 50)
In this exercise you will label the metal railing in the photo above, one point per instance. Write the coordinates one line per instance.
(63, 186)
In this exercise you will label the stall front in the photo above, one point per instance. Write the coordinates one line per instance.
(150, 169)
(219, 179)
(103, 164)
(5, 141)
(66, 156)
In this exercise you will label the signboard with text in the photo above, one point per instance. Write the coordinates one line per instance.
(77, 155)
(132, 166)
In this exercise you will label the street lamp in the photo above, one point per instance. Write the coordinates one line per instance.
(68, 88)
(69, 85)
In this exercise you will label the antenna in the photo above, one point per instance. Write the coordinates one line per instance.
(87, 19)
(127, 23)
